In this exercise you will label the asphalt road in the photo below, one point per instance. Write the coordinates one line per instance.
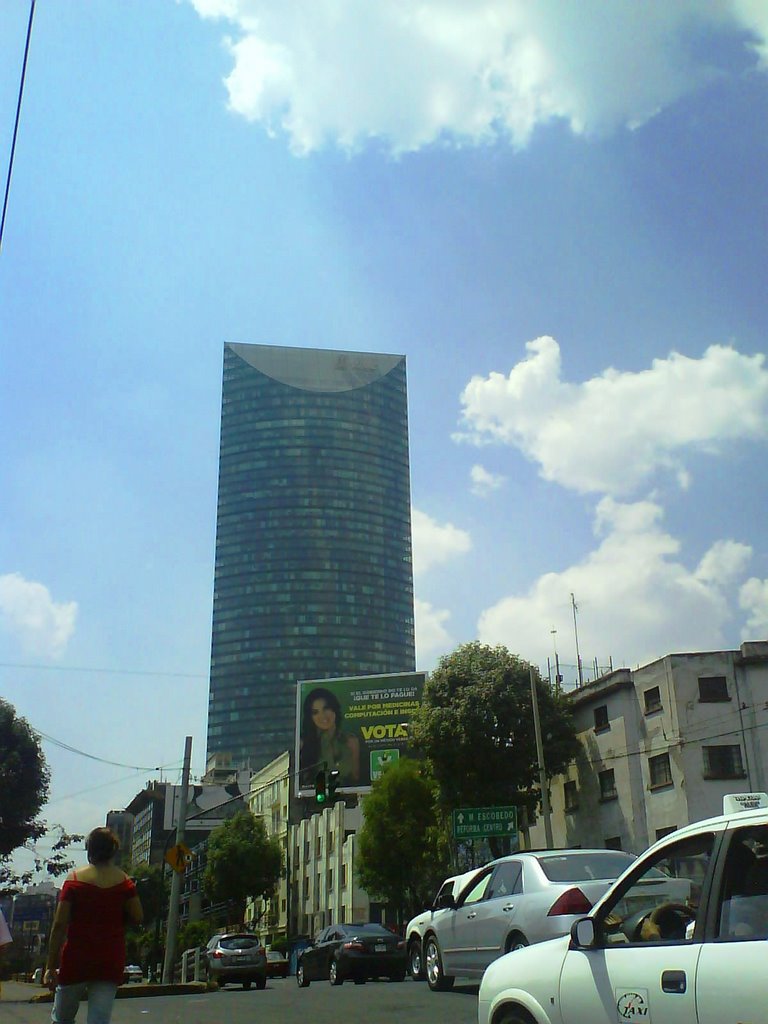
(282, 1002)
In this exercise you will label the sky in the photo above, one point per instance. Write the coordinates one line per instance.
(556, 212)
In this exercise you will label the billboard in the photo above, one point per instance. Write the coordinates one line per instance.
(357, 724)
(208, 807)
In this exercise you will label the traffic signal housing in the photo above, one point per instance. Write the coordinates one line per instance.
(321, 787)
(332, 783)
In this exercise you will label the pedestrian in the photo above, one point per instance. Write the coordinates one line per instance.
(86, 952)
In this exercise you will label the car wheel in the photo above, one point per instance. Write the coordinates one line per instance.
(512, 1017)
(261, 983)
(334, 974)
(246, 985)
(301, 980)
(415, 966)
(517, 941)
(433, 967)
(220, 982)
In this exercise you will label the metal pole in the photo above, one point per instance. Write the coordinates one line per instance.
(576, 634)
(545, 808)
(173, 903)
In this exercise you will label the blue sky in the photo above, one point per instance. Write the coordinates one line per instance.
(560, 220)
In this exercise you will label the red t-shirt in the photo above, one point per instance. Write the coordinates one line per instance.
(95, 946)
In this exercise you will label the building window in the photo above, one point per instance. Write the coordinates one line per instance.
(723, 762)
(306, 850)
(570, 796)
(331, 842)
(713, 689)
(660, 771)
(607, 784)
(343, 913)
(306, 888)
(661, 832)
(319, 846)
(601, 718)
(613, 843)
(652, 700)
(343, 875)
(330, 879)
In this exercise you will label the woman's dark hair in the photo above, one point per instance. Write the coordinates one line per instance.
(101, 845)
(310, 742)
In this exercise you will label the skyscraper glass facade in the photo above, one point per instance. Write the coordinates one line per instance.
(313, 574)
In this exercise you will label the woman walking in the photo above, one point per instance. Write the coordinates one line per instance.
(95, 904)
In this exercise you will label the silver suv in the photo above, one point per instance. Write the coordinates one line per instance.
(238, 957)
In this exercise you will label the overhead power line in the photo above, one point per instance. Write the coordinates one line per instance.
(16, 122)
(102, 760)
(104, 671)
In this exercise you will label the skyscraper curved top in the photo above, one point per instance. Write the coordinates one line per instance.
(313, 575)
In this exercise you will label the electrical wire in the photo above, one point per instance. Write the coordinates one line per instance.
(102, 760)
(16, 123)
(105, 671)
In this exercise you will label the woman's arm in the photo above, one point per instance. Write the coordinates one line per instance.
(134, 912)
(58, 934)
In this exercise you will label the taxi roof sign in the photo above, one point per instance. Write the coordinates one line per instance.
(735, 802)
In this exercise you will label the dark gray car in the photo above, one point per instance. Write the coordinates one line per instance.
(237, 957)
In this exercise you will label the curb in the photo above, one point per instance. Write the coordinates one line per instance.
(142, 991)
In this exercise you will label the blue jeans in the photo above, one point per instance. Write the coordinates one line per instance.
(101, 996)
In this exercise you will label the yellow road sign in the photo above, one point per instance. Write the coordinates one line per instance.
(178, 856)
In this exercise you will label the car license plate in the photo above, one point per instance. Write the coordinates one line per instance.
(380, 947)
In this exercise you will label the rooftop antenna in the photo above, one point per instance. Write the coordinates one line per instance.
(576, 634)
(558, 677)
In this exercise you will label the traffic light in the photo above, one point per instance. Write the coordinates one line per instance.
(332, 783)
(321, 788)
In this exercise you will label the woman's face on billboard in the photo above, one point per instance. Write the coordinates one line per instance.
(323, 715)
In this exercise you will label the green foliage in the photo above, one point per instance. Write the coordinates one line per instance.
(476, 729)
(24, 781)
(153, 889)
(194, 933)
(402, 849)
(243, 861)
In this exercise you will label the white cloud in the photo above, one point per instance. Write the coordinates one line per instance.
(435, 543)
(28, 612)
(611, 433)
(636, 600)
(753, 598)
(484, 482)
(410, 72)
(432, 638)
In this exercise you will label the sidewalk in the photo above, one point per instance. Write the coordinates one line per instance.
(23, 992)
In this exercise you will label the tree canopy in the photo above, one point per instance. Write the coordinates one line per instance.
(24, 781)
(243, 861)
(403, 852)
(476, 730)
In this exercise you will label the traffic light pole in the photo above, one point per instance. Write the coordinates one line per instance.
(173, 902)
(545, 808)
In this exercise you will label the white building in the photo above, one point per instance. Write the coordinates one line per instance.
(661, 745)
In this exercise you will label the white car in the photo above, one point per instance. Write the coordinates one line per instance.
(417, 927)
(512, 902)
(680, 938)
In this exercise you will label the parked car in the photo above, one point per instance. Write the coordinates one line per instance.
(641, 956)
(277, 964)
(238, 957)
(513, 902)
(417, 926)
(357, 951)
(132, 972)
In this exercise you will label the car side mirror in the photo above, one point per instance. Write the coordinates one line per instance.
(445, 902)
(583, 934)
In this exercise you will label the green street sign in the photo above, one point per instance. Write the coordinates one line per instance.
(484, 822)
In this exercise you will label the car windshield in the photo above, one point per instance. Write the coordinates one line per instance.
(582, 867)
(239, 942)
(367, 929)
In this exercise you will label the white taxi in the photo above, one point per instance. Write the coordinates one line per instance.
(680, 938)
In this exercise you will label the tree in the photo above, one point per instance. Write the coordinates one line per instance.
(24, 781)
(243, 861)
(24, 786)
(475, 727)
(403, 852)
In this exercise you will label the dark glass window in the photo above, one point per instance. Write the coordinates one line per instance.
(613, 843)
(570, 796)
(713, 689)
(607, 784)
(723, 762)
(601, 718)
(660, 771)
(652, 700)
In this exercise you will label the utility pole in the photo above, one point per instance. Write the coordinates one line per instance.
(545, 808)
(173, 903)
(576, 634)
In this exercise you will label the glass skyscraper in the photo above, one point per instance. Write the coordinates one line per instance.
(313, 573)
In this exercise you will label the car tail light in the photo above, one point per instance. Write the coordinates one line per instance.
(217, 954)
(573, 901)
(353, 945)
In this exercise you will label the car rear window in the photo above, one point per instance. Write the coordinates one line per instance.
(367, 929)
(239, 942)
(274, 955)
(583, 867)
